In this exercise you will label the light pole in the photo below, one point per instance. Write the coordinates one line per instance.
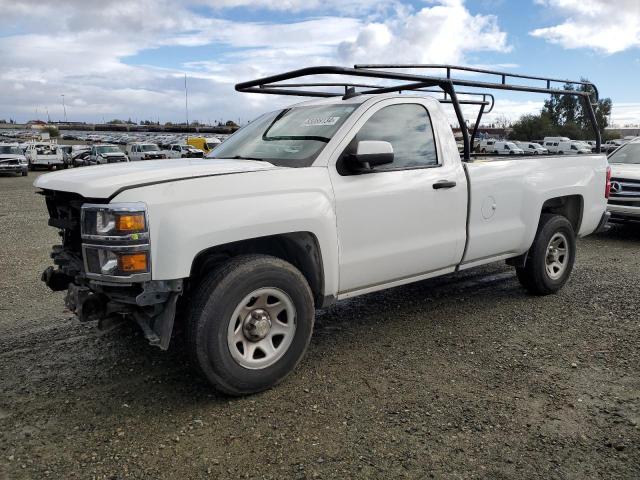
(64, 108)
(186, 99)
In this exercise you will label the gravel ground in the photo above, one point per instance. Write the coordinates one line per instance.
(464, 376)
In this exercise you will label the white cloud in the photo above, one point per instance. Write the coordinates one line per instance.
(442, 33)
(86, 53)
(607, 26)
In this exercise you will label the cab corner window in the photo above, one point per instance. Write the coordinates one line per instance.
(407, 127)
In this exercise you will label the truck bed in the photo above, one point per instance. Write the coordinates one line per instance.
(507, 195)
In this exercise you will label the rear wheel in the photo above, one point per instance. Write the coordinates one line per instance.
(250, 323)
(551, 257)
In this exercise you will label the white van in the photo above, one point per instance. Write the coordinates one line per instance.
(551, 145)
(144, 151)
(573, 147)
(532, 148)
(556, 139)
(486, 145)
(507, 148)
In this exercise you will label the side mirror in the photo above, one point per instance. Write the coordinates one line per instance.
(372, 153)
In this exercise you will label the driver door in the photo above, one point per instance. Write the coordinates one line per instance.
(393, 224)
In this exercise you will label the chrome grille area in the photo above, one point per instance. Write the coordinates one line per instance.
(625, 190)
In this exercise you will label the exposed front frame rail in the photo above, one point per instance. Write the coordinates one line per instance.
(274, 85)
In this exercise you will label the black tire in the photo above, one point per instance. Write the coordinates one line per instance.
(212, 307)
(534, 275)
(25, 173)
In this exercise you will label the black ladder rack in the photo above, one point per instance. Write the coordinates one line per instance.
(274, 85)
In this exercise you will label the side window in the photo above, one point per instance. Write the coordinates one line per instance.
(407, 127)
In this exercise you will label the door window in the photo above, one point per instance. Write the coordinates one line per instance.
(407, 127)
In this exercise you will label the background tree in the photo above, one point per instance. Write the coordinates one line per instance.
(563, 115)
(532, 127)
(568, 114)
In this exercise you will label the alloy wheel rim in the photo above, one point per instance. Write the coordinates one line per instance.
(261, 328)
(557, 256)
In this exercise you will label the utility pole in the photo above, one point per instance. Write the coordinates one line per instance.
(186, 99)
(64, 108)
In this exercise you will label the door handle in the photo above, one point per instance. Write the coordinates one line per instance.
(444, 184)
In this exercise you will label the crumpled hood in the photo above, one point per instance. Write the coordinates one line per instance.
(103, 181)
(625, 170)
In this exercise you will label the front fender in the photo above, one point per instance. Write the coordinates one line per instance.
(187, 217)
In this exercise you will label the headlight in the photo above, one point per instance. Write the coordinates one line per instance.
(116, 242)
(122, 221)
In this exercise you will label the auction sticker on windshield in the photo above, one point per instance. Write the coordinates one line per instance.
(320, 122)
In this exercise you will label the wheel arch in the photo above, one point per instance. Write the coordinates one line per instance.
(569, 206)
(301, 249)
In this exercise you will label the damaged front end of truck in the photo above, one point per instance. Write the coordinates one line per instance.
(104, 264)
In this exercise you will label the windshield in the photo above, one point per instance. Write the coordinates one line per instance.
(291, 138)
(511, 146)
(9, 150)
(149, 148)
(108, 149)
(629, 153)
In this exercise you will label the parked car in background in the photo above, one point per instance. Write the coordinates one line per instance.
(532, 148)
(486, 145)
(573, 147)
(103, 154)
(183, 151)
(44, 154)
(592, 144)
(506, 148)
(12, 160)
(204, 144)
(144, 151)
(67, 151)
(624, 201)
(611, 145)
(80, 155)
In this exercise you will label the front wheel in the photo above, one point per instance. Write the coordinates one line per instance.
(250, 323)
(551, 257)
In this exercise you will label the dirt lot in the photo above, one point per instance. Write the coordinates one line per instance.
(460, 377)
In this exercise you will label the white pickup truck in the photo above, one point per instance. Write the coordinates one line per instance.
(305, 206)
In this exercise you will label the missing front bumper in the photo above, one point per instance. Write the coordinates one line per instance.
(153, 308)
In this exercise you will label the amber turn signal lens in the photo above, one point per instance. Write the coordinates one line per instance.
(133, 262)
(133, 222)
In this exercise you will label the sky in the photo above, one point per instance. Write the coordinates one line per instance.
(128, 58)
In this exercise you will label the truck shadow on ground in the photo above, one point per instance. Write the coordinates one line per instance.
(628, 232)
(170, 373)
